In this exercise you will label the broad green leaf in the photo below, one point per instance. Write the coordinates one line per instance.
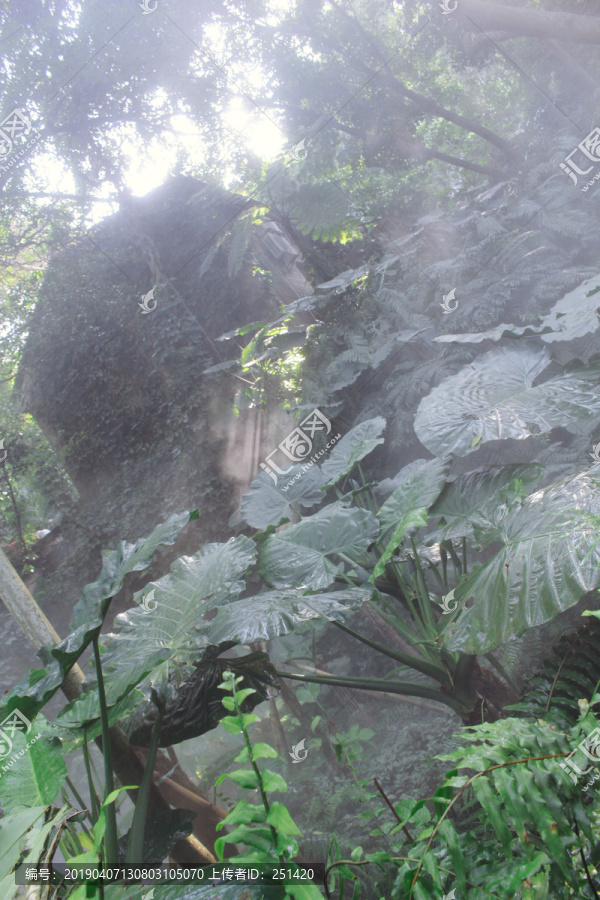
(246, 778)
(266, 616)
(476, 502)
(14, 829)
(266, 503)
(233, 724)
(37, 774)
(414, 518)
(253, 836)
(301, 555)
(353, 447)
(540, 571)
(34, 691)
(417, 490)
(26, 838)
(272, 781)
(493, 396)
(244, 812)
(263, 751)
(281, 820)
(573, 316)
(212, 577)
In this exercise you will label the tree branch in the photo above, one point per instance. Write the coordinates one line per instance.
(476, 15)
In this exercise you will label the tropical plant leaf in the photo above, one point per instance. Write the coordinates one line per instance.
(300, 556)
(267, 503)
(418, 488)
(173, 631)
(492, 398)
(34, 691)
(353, 447)
(24, 838)
(274, 613)
(571, 672)
(475, 502)
(321, 210)
(575, 315)
(37, 774)
(540, 571)
(410, 522)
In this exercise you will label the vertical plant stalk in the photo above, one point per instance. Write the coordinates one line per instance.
(257, 771)
(111, 849)
(95, 806)
(135, 849)
(15, 507)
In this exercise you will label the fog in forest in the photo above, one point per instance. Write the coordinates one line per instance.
(300, 449)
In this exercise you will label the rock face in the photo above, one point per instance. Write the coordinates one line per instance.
(120, 391)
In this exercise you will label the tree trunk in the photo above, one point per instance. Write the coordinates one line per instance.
(128, 767)
(476, 15)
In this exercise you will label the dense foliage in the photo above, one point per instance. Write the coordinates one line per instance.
(445, 545)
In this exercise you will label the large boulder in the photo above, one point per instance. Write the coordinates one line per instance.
(120, 391)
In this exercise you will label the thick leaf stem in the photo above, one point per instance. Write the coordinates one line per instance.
(135, 848)
(381, 685)
(406, 659)
(111, 849)
(95, 805)
(425, 603)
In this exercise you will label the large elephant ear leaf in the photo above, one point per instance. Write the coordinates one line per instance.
(304, 555)
(573, 316)
(353, 447)
(275, 613)
(492, 399)
(34, 691)
(418, 488)
(171, 634)
(266, 503)
(36, 777)
(116, 564)
(474, 503)
(550, 558)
